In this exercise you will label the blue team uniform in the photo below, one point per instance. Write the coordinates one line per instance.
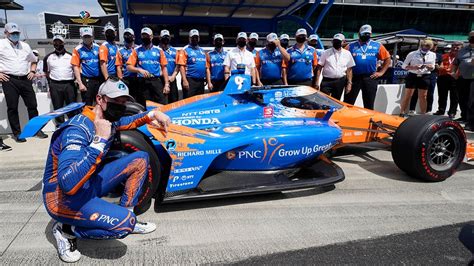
(123, 55)
(302, 63)
(108, 54)
(194, 58)
(87, 59)
(150, 59)
(366, 55)
(271, 64)
(170, 54)
(216, 64)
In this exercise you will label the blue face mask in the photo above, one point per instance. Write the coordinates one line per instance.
(14, 37)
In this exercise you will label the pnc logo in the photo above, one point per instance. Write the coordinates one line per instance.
(94, 216)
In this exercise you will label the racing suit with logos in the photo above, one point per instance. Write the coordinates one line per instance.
(75, 179)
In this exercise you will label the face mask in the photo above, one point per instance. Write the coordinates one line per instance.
(110, 37)
(241, 44)
(252, 44)
(87, 41)
(284, 43)
(114, 111)
(471, 40)
(194, 42)
(218, 44)
(300, 39)
(156, 41)
(425, 50)
(272, 46)
(14, 37)
(364, 38)
(312, 45)
(337, 44)
(128, 39)
(59, 47)
(146, 41)
(165, 41)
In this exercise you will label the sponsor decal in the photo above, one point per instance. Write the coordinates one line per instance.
(182, 178)
(188, 169)
(196, 121)
(198, 153)
(170, 144)
(181, 184)
(108, 219)
(268, 112)
(94, 216)
(232, 129)
(132, 220)
(73, 147)
(230, 155)
(239, 81)
(203, 112)
(250, 154)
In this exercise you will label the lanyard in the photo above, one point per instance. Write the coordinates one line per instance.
(423, 56)
(366, 47)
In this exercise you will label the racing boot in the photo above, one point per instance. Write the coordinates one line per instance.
(144, 228)
(66, 243)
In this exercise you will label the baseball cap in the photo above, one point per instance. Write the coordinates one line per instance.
(218, 35)
(128, 30)
(11, 28)
(113, 89)
(35, 52)
(253, 35)
(58, 37)
(272, 37)
(193, 32)
(147, 30)
(109, 27)
(242, 35)
(471, 34)
(301, 31)
(86, 31)
(284, 37)
(339, 36)
(164, 33)
(365, 29)
(313, 37)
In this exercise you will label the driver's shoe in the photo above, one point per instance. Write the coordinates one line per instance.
(144, 228)
(67, 247)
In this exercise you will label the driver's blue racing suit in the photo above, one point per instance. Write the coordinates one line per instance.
(75, 179)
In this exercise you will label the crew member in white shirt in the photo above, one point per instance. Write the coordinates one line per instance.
(16, 75)
(240, 57)
(57, 67)
(419, 64)
(336, 65)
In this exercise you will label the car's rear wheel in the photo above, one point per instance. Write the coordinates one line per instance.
(429, 147)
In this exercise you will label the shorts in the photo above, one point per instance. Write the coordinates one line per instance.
(414, 81)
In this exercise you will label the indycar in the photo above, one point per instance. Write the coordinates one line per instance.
(250, 140)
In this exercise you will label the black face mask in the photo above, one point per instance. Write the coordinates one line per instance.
(252, 44)
(114, 111)
(241, 43)
(312, 45)
(284, 43)
(300, 39)
(129, 39)
(336, 44)
(156, 41)
(110, 37)
(146, 41)
(218, 44)
(364, 38)
(194, 42)
(59, 47)
(272, 46)
(471, 40)
(165, 41)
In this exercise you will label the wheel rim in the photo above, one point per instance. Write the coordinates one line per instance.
(443, 150)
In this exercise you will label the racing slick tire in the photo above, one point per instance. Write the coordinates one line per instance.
(428, 147)
(131, 141)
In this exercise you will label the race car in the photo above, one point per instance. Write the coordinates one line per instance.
(248, 140)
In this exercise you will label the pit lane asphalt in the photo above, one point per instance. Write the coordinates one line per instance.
(378, 215)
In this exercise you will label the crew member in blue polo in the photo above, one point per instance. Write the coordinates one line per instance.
(303, 61)
(171, 54)
(192, 62)
(271, 61)
(366, 53)
(285, 40)
(149, 62)
(123, 55)
(108, 52)
(215, 65)
(85, 61)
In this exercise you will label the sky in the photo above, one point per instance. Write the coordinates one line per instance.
(28, 19)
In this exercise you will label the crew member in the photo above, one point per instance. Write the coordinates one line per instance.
(17, 70)
(149, 62)
(336, 65)
(215, 65)
(75, 177)
(123, 55)
(108, 53)
(59, 71)
(85, 61)
(271, 61)
(171, 54)
(192, 62)
(419, 64)
(366, 53)
(252, 43)
(313, 41)
(465, 63)
(303, 61)
(447, 83)
(241, 58)
(285, 41)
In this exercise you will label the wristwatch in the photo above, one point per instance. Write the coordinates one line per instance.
(98, 140)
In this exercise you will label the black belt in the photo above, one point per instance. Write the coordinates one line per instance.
(333, 79)
(93, 78)
(25, 77)
(62, 81)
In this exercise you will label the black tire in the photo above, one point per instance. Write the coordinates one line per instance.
(428, 147)
(133, 108)
(131, 141)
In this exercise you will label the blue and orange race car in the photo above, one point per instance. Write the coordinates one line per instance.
(249, 140)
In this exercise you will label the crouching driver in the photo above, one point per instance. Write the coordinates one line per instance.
(75, 179)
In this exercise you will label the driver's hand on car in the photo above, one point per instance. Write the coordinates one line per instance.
(160, 119)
